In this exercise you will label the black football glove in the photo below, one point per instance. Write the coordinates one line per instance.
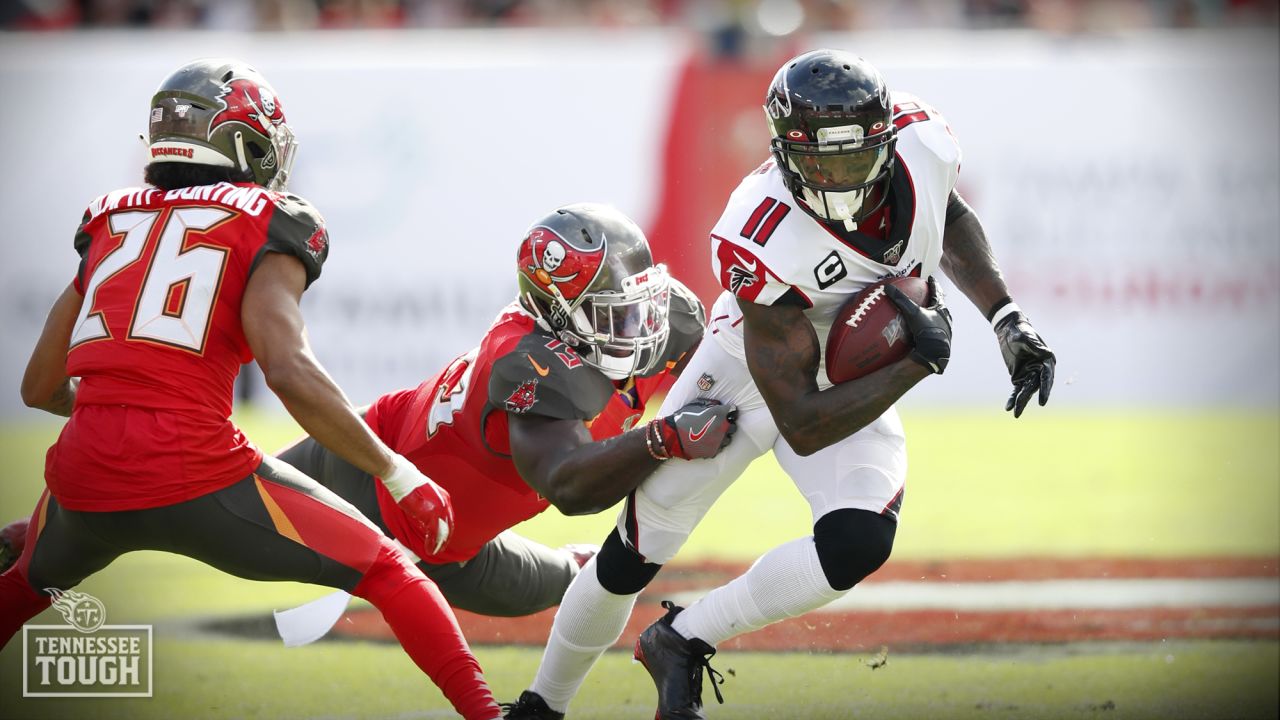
(700, 429)
(1031, 363)
(930, 328)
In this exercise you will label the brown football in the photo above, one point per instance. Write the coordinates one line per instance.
(868, 332)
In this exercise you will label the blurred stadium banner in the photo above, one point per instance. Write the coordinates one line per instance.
(1129, 183)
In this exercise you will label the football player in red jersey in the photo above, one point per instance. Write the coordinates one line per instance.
(178, 284)
(543, 412)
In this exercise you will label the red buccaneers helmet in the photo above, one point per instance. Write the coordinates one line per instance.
(587, 275)
(222, 112)
(833, 136)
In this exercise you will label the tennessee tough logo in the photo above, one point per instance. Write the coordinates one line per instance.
(244, 101)
(523, 397)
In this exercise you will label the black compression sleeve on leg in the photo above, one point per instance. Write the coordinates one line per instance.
(852, 544)
(511, 576)
(621, 571)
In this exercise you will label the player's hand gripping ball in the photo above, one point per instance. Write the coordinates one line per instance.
(870, 331)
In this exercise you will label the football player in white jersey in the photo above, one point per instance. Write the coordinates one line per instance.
(860, 187)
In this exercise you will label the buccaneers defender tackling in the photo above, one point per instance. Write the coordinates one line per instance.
(543, 412)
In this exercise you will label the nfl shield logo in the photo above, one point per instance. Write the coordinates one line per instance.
(706, 382)
(892, 332)
(893, 254)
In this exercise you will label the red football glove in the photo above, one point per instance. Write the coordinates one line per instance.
(425, 503)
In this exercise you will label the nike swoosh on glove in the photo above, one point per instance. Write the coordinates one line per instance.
(700, 429)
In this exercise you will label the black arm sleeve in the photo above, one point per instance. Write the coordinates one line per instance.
(296, 228)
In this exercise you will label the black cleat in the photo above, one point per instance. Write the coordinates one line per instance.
(676, 665)
(530, 706)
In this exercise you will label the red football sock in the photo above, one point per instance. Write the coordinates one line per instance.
(421, 619)
(19, 602)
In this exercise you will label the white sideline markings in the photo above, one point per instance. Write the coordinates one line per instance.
(1117, 594)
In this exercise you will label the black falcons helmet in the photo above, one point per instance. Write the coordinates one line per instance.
(587, 274)
(833, 136)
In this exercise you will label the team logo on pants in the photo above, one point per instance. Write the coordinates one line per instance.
(86, 657)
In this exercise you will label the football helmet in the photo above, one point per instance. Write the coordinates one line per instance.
(222, 112)
(586, 274)
(833, 135)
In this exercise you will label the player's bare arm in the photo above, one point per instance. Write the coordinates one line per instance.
(276, 334)
(559, 459)
(274, 327)
(967, 259)
(782, 354)
(45, 384)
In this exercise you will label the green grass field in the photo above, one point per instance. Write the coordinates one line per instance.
(981, 485)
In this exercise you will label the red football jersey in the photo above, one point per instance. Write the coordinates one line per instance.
(159, 342)
(453, 427)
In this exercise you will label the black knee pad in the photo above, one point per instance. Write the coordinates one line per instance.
(852, 544)
(620, 570)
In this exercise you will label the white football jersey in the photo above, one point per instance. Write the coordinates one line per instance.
(764, 247)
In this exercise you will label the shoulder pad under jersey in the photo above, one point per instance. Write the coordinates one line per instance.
(921, 125)
(753, 244)
(296, 228)
(100, 205)
(543, 376)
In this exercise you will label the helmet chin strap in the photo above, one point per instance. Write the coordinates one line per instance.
(836, 206)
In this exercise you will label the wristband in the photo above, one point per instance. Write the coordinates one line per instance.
(648, 445)
(652, 437)
(996, 306)
(404, 478)
(1008, 309)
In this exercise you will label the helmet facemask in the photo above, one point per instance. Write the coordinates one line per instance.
(830, 117)
(284, 148)
(621, 334)
(835, 173)
(631, 327)
(586, 274)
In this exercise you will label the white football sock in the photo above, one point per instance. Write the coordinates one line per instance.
(785, 582)
(589, 621)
